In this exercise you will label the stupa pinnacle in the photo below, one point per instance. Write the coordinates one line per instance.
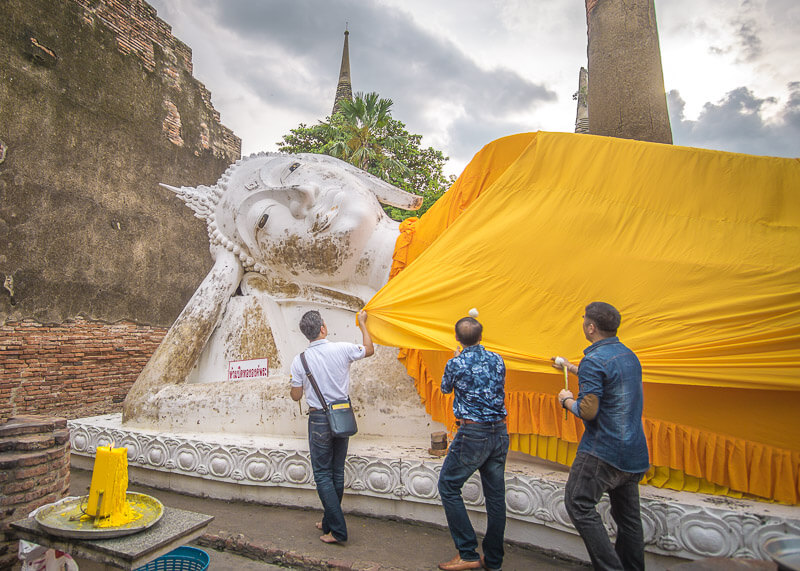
(343, 90)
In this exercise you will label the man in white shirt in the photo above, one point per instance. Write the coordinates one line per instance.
(330, 364)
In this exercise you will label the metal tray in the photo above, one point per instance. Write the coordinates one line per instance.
(785, 551)
(55, 518)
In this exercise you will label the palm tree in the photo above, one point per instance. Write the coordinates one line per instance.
(364, 139)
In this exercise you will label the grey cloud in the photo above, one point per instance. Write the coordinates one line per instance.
(736, 123)
(388, 54)
(739, 30)
(301, 25)
(470, 134)
(274, 83)
(747, 45)
(750, 42)
(791, 114)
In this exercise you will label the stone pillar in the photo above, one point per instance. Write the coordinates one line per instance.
(34, 471)
(626, 94)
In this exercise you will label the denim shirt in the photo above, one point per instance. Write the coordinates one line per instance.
(477, 377)
(613, 373)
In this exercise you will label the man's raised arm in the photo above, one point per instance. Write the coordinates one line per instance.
(369, 348)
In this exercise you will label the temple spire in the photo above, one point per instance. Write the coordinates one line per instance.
(343, 90)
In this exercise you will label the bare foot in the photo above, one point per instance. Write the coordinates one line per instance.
(318, 525)
(328, 538)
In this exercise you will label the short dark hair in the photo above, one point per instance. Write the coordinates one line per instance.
(604, 316)
(311, 324)
(468, 331)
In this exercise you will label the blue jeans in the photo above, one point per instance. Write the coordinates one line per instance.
(481, 447)
(589, 479)
(327, 460)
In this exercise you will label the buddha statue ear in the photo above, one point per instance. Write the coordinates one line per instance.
(389, 194)
(385, 193)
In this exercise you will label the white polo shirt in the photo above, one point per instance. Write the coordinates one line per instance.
(330, 364)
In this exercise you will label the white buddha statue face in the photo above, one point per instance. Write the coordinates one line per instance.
(316, 223)
(306, 218)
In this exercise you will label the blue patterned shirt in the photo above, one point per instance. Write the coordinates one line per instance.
(478, 378)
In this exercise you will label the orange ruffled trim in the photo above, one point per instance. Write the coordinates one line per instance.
(682, 457)
(407, 229)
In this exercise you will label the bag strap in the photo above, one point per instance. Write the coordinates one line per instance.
(313, 381)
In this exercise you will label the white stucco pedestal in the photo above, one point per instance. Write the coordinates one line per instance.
(396, 477)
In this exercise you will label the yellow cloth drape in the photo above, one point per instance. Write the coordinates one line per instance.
(699, 251)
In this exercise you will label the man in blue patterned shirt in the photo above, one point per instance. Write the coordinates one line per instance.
(477, 377)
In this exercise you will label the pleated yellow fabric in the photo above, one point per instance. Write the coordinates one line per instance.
(699, 251)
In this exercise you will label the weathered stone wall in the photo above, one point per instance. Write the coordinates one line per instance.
(34, 471)
(97, 106)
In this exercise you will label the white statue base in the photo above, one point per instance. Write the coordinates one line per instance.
(383, 395)
(397, 477)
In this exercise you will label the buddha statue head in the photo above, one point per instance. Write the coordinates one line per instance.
(303, 218)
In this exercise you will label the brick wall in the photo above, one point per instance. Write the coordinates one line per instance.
(138, 30)
(34, 471)
(74, 369)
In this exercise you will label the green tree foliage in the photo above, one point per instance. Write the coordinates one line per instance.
(365, 135)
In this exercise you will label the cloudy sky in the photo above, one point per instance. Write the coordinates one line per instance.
(464, 72)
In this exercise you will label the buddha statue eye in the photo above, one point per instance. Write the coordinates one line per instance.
(263, 220)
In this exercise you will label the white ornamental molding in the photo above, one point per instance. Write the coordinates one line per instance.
(670, 528)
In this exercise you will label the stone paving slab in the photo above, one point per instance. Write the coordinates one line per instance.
(287, 537)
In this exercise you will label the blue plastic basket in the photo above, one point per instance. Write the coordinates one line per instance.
(184, 558)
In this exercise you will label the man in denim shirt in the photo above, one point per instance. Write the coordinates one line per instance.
(612, 455)
(477, 377)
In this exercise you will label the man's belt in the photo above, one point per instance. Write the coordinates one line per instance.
(490, 423)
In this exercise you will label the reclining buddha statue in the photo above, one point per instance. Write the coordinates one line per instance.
(288, 233)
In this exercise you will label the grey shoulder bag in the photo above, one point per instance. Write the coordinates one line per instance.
(340, 412)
